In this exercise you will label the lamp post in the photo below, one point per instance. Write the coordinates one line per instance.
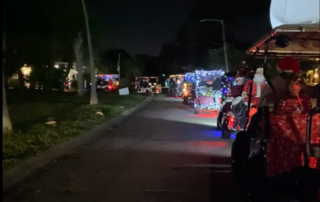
(224, 40)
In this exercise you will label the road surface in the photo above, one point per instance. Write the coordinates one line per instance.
(165, 153)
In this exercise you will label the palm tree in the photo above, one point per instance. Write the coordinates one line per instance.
(79, 62)
(93, 96)
(6, 124)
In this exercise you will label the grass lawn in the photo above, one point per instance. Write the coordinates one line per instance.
(30, 110)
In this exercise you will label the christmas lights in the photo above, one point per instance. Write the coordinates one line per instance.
(215, 73)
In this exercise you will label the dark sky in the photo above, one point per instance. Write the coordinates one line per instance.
(142, 26)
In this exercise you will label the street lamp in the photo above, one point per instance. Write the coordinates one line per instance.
(224, 40)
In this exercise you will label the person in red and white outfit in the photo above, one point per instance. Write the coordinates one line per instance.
(258, 83)
(286, 146)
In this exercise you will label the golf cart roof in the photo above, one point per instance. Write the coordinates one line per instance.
(189, 73)
(294, 12)
(176, 75)
(146, 77)
(107, 75)
(303, 29)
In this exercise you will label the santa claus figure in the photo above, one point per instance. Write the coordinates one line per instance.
(257, 86)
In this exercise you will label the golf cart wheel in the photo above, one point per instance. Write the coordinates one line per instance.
(147, 93)
(226, 134)
(185, 100)
(197, 110)
(237, 168)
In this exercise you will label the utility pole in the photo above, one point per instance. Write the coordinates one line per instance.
(224, 41)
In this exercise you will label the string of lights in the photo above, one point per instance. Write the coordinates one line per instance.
(196, 78)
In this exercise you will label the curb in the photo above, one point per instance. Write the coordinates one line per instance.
(23, 171)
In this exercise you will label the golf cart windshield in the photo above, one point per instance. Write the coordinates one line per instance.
(153, 80)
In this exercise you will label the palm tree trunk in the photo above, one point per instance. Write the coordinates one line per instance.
(6, 124)
(79, 58)
(93, 96)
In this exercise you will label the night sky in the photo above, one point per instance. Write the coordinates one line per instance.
(142, 26)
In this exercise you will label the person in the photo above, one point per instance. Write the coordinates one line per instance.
(202, 82)
(172, 82)
(288, 69)
(257, 86)
(288, 129)
(238, 84)
(179, 84)
(141, 83)
(314, 94)
(166, 83)
(295, 100)
(110, 82)
(242, 70)
(216, 88)
(146, 83)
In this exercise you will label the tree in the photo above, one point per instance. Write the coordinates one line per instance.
(79, 62)
(6, 124)
(132, 68)
(108, 60)
(93, 96)
(215, 58)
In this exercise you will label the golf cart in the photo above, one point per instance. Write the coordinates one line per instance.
(205, 95)
(189, 93)
(104, 82)
(175, 86)
(232, 115)
(277, 156)
(147, 85)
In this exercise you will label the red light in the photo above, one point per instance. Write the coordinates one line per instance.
(262, 42)
(230, 122)
(110, 87)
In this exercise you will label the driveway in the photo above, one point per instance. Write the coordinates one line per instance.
(165, 153)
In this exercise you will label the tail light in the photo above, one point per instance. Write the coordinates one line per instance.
(109, 86)
(230, 122)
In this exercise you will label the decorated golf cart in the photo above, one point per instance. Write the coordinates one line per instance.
(206, 97)
(189, 93)
(107, 82)
(232, 116)
(175, 85)
(147, 85)
(167, 83)
(277, 156)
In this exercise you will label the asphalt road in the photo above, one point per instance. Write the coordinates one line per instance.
(165, 153)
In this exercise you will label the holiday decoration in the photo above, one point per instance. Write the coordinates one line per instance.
(205, 91)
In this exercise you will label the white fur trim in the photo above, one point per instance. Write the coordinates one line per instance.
(258, 89)
(238, 78)
(280, 70)
(243, 92)
(237, 100)
(229, 99)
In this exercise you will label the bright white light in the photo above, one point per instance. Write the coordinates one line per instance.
(56, 66)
